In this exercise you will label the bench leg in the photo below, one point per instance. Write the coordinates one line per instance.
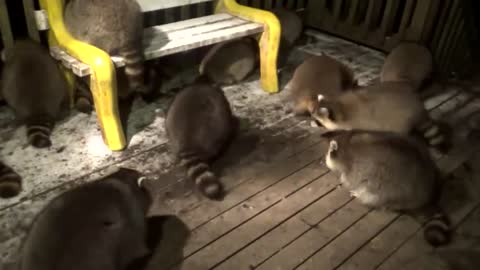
(104, 91)
(269, 41)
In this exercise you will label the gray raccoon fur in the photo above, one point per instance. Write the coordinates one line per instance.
(318, 75)
(34, 87)
(199, 126)
(113, 26)
(408, 62)
(230, 62)
(390, 171)
(387, 106)
(10, 181)
(100, 225)
(291, 30)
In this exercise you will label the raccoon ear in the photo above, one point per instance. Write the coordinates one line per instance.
(333, 146)
(325, 112)
(320, 97)
(2, 55)
(140, 181)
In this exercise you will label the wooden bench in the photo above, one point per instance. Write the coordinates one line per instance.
(231, 20)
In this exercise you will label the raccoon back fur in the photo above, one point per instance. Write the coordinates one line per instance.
(408, 62)
(230, 62)
(199, 126)
(10, 181)
(99, 225)
(391, 171)
(387, 106)
(318, 75)
(35, 88)
(113, 26)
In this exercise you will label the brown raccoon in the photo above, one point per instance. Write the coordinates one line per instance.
(113, 26)
(387, 106)
(391, 171)
(100, 225)
(318, 75)
(33, 85)
(230, 62)
(408, 62)
(199, 126)
(291, 30)
(10, 181)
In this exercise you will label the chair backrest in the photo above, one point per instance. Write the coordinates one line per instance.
(152, 5)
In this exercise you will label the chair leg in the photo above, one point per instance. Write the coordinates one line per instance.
(269, 41)
(104, 91)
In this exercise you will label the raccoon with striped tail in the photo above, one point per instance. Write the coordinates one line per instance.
(35, 88)
(10, 181)
(116, 27)
(387, 106)
(390, 171)
(200, 125)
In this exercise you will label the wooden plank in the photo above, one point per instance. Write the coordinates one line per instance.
(5, 28)
(176, 26)
(260, 200)
(317, 236)
(265, 247)
(152, 5)
(258, 226)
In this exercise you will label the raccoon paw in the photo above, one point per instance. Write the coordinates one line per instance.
(40, 141)
(10, 187)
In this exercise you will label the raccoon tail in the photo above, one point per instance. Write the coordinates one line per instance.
(38, 132)
(10, 182)
(134, 69)
(437, 230)
(206, 182)
(436, 134)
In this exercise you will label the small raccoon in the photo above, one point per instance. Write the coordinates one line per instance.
(113, 26)
(390, 171)
(318, 75)
(408, 62)
(387, 106)
(33, 85)
(291, 27)
(10, 181)
(199, 125)
(230, 62)
(100, 225)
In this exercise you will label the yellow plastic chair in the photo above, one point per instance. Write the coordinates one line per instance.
(102, 70)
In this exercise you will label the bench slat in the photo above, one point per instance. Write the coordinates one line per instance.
(176, 26)
(152, 5)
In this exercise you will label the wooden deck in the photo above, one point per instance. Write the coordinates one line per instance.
(284, 209)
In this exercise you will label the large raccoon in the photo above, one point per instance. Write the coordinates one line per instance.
(113, 26)
(318, 75)
(100, 225)
(33, 85)
(391, 171)
(10, 181)
(230, 62)
(408, 62)
(291, 30)
(387, 106)
(199, 126)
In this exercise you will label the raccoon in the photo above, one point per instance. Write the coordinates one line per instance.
(115, 27)
(390, 171)
(33, 85)
(10, 181)
(318, 75)
(291, 30)
(100, 225)
(387, 106)
(408, 62)
(200, 125)
(230, 62)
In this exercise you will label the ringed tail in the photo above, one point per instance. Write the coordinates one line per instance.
(38, 133)
(437, 231)
(10, 182)
(205, 181)
(134, 69)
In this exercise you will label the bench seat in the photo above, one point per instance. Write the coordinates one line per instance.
(162, 40)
